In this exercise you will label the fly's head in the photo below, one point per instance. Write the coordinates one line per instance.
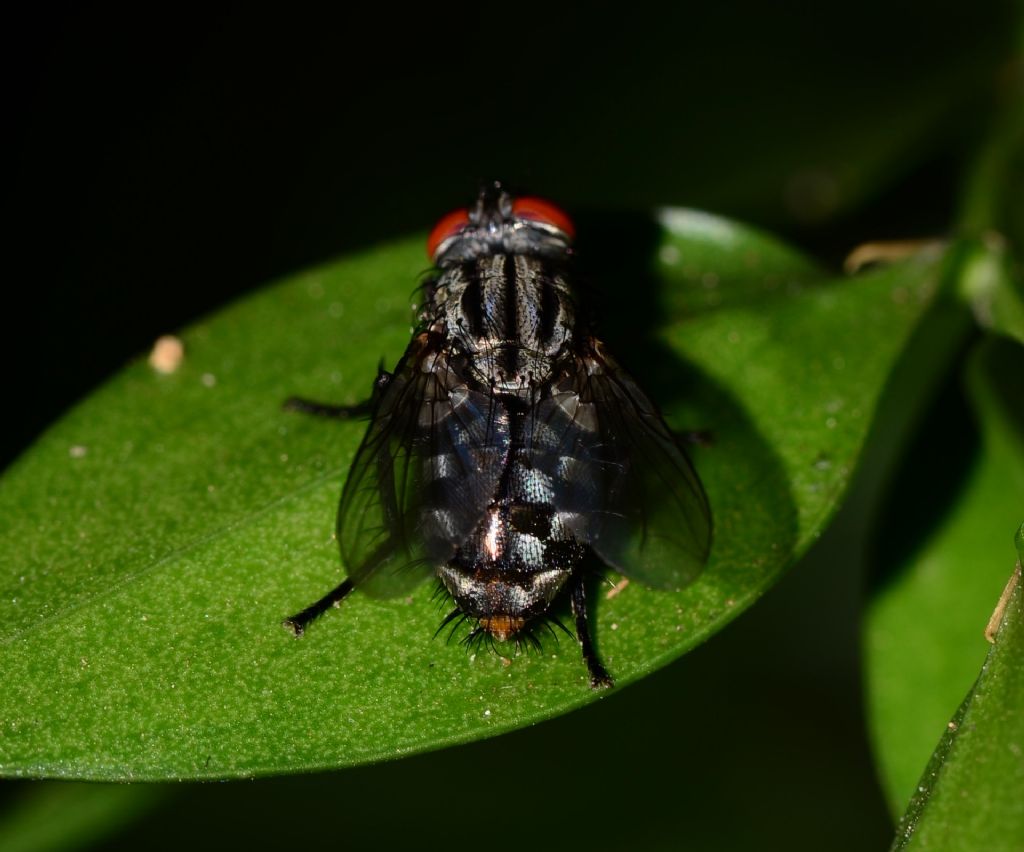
(499, 223)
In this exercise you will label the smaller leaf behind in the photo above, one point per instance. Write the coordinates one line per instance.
(941, 552)
(971, 795)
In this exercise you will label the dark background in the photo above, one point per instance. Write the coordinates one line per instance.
(163, 163)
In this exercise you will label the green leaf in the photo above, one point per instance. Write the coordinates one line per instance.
(972, 793)
(924, 639)
(154, 538)
(990, 212)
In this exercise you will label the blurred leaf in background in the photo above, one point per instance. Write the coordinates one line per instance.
(943, 551)
(970, 794)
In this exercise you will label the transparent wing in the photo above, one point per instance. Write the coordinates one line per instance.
(621, 482)
(422, 476)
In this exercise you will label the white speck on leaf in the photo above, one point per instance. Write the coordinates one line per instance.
(167, 354)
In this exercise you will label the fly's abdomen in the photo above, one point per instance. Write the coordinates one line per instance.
(518, 557)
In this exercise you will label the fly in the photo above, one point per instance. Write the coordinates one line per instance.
(508, 444)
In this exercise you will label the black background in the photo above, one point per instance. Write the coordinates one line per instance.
(162, 162)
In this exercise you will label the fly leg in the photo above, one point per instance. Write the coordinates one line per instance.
(599, 677)
(341, 412)
(326, 409)
(301, 620)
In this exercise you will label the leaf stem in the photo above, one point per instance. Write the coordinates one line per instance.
(986, 187)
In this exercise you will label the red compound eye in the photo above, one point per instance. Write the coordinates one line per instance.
(448, 226)
(539, 210)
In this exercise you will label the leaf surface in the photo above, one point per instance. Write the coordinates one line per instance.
(155, 537)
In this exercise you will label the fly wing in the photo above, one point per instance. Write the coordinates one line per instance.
(423, 476)
(621, 483)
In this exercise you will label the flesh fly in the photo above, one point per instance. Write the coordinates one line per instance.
(507, 448)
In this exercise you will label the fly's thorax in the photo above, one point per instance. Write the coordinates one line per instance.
(511, 314)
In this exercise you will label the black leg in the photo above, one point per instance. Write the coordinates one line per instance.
(324, 409)
(341, 412)
(599, 677)
(300, 621)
